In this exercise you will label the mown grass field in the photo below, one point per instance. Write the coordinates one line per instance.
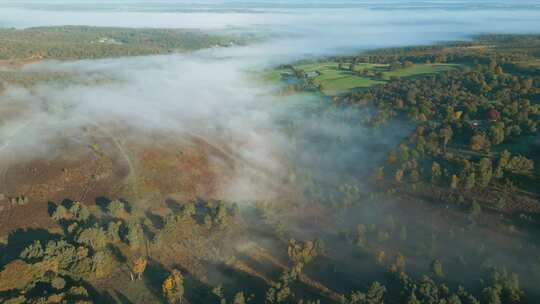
(336, 81)
(420, 69)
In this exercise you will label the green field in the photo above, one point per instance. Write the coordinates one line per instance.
(420, 69)
(274, 76)
(336, 81)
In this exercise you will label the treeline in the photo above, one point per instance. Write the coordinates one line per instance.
(82, 42)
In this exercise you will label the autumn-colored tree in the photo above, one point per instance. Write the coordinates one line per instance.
(436, 172)
(16, 275)
(392, 157)
(239, 298)
(454, 183)
(173, 287)
(479, 142)
(398, 176)
(301, 253)
(137, 268)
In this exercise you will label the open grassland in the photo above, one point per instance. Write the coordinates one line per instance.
(275, 75)
(420, 69)
(333, 78)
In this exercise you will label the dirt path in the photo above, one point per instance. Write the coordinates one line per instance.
(132, 175)
(254, 170)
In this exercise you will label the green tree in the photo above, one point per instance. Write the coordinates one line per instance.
(497, 133)
(437, 268)
(113, 231)
(485, 172)
(520, 165)
(135, 235)
(94, 237)
(79, 211)
(58, 283)
(446, 135)
(32, 252)
(502, 163)
(413, 299)
(470, 180)
(475, 208)
(403, 153)
(59, 213)
(492, 295)
(117, 209)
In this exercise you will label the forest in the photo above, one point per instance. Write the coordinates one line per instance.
(85, 42)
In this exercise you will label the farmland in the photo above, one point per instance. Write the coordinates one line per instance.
(334, 78)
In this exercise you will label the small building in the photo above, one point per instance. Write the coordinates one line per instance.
(312, 74)
(475, 124)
